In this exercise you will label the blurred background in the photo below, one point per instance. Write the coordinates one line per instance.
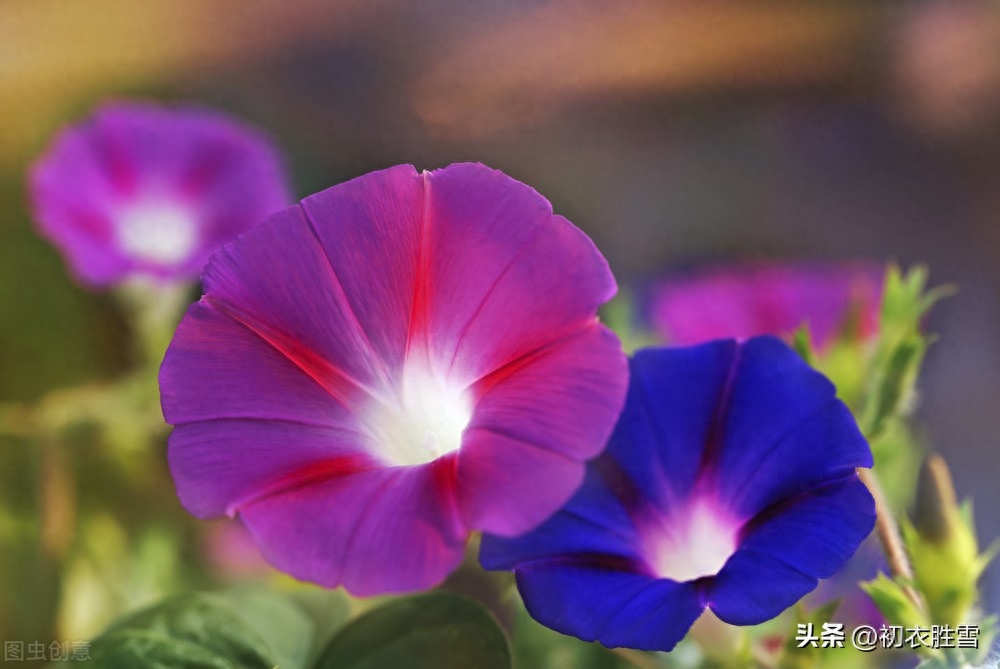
(673, 133)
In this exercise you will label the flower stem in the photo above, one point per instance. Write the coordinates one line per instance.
(892, 541)
(57, 501)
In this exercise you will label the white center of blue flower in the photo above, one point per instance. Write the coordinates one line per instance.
(698, 543)
(163, 234)
(427, 422)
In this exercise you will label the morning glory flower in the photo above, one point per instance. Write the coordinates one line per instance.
(142, 190)
(395, 362)
(744, 301)
(729, 483)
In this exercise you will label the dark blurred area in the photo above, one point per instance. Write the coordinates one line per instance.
(671, 132)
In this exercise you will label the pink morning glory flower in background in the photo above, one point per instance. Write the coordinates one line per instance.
(392, 364)
(143, 190)
(743, 301)
(730, 483)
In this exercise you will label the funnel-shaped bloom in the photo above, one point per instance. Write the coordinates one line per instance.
(143, 190)
(745, 301)
(395, 362)
(729, 483)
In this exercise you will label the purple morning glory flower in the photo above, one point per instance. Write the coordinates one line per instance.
(729, 483)
(144, 190)
(397, 361)
(744, 301)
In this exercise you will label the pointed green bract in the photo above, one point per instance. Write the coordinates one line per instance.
(901, 347)
(892, 600)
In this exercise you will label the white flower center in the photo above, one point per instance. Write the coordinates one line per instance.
(698, 544)
(427, 422)
(164, 233)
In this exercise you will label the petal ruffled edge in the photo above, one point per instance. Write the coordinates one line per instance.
(382, 531)
(789, 548)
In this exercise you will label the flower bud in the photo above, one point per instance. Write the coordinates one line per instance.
(942, 546)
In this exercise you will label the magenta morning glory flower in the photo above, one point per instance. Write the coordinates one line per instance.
(750, 300)
(144, 190)
(730, 483)
(391, 364)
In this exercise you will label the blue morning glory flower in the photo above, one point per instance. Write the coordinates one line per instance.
(729, 483)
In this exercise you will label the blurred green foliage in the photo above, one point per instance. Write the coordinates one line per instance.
(53, 333)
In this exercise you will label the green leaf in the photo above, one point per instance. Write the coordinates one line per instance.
(433, 631)
(327, 610)
(281, 622)
(199, 631)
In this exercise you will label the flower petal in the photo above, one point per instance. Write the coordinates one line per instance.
(371, 229)
(249, 397)
(378, 531)
(508, 486)
(497, 250)
(673, 398)
(72, 198)
(786, 551)
(782, 430)
(216, 367)
(220, 465)
(132, 161)
(536, 422)
(563, 398)
(614, 607)
(303, 312)
(753, 587)
(229, 169)
(592, 523)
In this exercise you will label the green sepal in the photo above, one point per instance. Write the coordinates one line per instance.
(892, 599)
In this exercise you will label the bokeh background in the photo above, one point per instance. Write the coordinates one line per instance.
(673, 132)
